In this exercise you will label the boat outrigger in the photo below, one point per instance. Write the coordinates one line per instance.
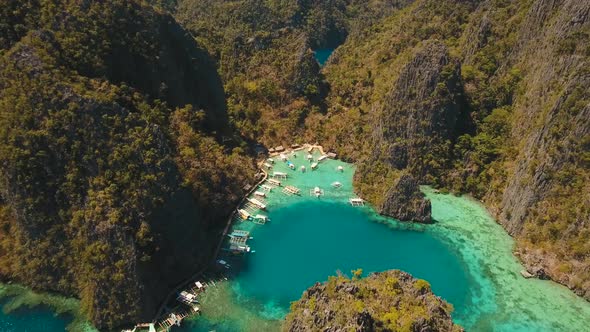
(239, 248)
(279, 175)
(317, 192)
(274, 182)
(257, 203)
(356, 201)
(260, 219)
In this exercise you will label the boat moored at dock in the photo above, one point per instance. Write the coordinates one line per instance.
(257, 203)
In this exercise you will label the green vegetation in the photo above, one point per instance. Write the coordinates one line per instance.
(511, 128)
(123, 141)
(99, 155)
(263, 52)
(387, 301)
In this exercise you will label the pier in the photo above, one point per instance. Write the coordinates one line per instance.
(170, 314)
(191, 279)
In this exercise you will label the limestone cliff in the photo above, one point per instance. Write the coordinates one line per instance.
(404, 201)
(545, 200)
(422, 114)
(511, 125)
(103, 108)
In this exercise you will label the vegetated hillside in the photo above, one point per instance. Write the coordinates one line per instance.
(264, 55)
(113, 186)
(386, 301)
(483, 97)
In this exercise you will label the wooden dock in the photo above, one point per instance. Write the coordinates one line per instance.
(174, 319)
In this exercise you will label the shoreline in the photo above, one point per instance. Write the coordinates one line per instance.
(160, 313)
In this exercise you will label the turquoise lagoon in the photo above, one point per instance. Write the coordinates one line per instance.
(466, 256)
(322, 55)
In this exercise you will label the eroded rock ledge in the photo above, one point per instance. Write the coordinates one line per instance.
(404, 201)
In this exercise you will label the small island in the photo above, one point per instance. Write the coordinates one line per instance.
(386, 301)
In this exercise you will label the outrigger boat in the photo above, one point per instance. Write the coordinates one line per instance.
(244, 214)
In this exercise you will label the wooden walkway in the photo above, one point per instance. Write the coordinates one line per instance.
(194, 277)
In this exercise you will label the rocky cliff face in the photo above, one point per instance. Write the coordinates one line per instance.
(547, 187)
(94, 161)
(387, 301)
(424, 110)
(511, 126)
(414, 129)
(404, 201)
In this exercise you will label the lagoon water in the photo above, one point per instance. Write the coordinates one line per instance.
(322, 55)
(466, 257)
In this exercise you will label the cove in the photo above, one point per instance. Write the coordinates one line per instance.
(466, 257)
(322, 55)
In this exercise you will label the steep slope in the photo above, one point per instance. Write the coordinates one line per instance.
(404, 201)
(545, 198)
(386, 301)
(512, 128)
(106, 184)
(265, 58)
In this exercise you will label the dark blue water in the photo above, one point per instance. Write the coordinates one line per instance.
(323, 54)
